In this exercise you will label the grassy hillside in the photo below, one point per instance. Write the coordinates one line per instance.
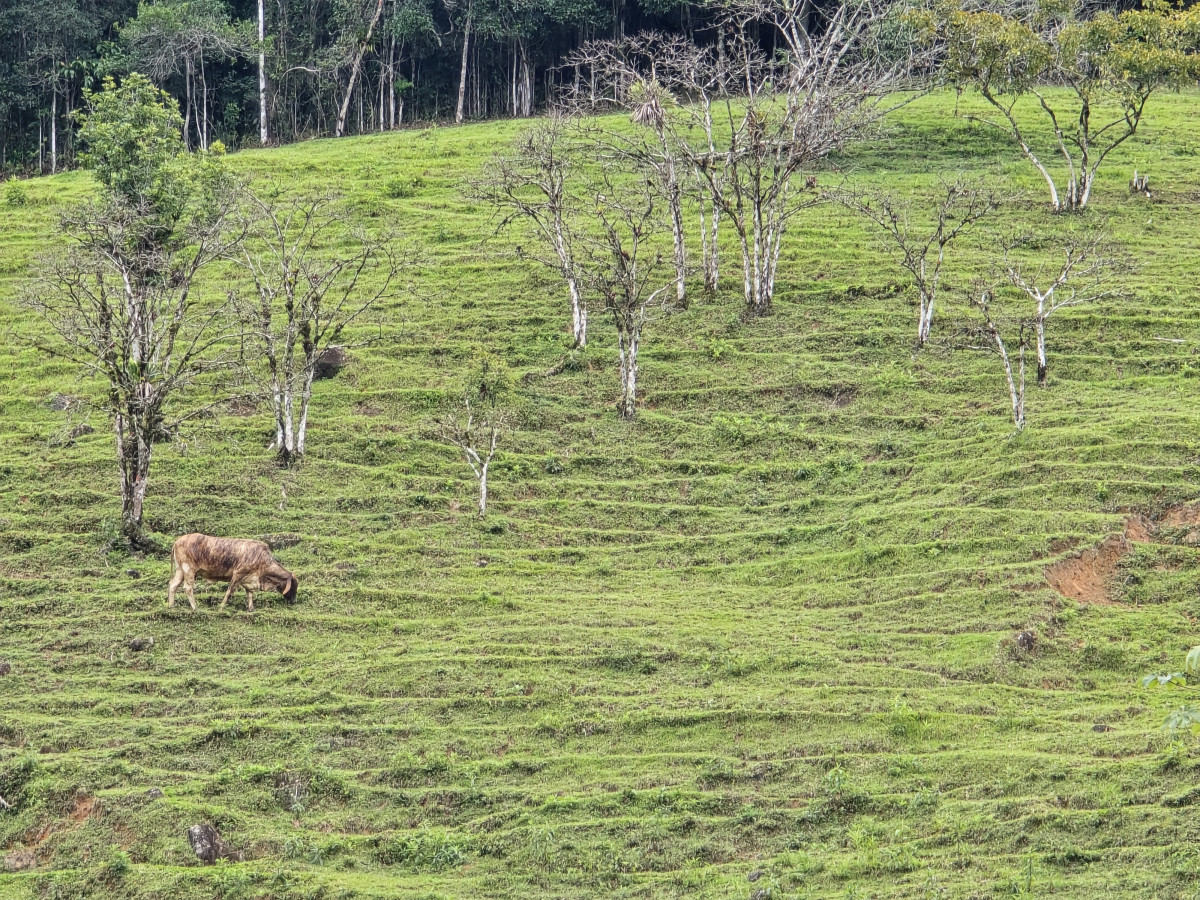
(757, 643)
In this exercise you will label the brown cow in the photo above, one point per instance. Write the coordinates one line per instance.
(244, 564)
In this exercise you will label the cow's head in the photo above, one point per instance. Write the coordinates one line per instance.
(289, 590)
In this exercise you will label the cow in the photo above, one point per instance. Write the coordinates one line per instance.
(244, 564)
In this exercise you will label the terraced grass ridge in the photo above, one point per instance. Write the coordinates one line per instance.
(760, 642)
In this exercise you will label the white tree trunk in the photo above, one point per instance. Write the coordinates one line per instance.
(262, 74)
(462, 75)
(1016, 385)
(628, 349)
(483, 488)
(1040, 329)
(54, 128)
(675, 202)
(578, 314)
(305, 397)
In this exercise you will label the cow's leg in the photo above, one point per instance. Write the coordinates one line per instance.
(189, 585)
(176, 581)
(249, 600)
(234, 580)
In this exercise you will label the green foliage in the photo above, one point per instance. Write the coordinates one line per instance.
(14, 193)
(132, 142)
(430, 849)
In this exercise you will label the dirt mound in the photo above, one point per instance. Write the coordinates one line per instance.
(1084, 577)
(1186, 515)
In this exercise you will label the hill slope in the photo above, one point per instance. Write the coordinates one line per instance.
(760, 639)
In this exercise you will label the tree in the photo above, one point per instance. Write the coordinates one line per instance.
(302, 303)
(121, 300)
(923, 253)
(622, 266)
(833, 83)
(994, 341)
(360, 51)
(174, 37)
(532, 185)
(476, 428)
(1085, 274)
(642, 73)
(262, 74)
(1107, 66)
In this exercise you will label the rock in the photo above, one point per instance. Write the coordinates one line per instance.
(1192, 537)
(331, 361)
(754, 876)
(281, 541)
(133, 573)
(19, 860)
(154, 794)
(80, 430)
(61, 402)
(206, 843)
(137, 645)
(1100, 726)
(1025, 641)
(5, 667)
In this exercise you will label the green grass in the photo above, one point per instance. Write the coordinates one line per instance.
(755, 643)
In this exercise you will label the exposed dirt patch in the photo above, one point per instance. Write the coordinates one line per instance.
(82, 808)
(1085, 576)
(1186, 515)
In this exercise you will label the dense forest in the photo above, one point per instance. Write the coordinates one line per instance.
(280, 70)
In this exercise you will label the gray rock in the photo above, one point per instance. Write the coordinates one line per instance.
(206, 843)
(19, 860)
(331, 361)
(154, 794)
(61, 402)
(754, 876)
(137, 645)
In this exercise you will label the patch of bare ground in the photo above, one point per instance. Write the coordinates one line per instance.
(1085, 575)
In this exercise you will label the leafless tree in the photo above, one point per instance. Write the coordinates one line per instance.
(1085, 273)
(303, 300)
(533, 185)
(624, 267)
(476, 437)
(993, 340)
(121, 302)
(644, 73)
(832, 84)
(921, 252)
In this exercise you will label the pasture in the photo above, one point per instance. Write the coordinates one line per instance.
(757, 643)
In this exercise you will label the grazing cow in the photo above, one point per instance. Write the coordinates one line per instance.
(244, 564)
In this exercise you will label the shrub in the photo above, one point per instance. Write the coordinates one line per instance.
(14, 193)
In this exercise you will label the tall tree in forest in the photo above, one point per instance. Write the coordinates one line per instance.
(174, 38)
(362, 43)
(262, 73)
